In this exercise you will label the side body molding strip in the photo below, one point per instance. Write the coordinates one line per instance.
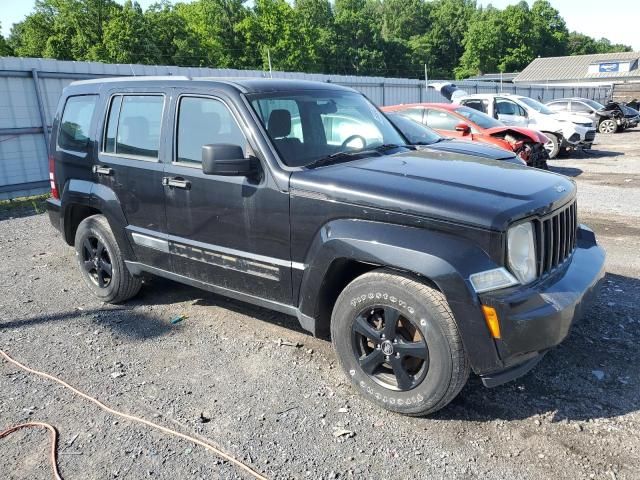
(165, 243)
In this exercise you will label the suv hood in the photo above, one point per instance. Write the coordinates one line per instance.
(471, 148)
(447, 186)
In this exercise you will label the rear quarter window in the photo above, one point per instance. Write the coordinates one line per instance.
(73, 133)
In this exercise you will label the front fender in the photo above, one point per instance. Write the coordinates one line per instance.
(445, 259)
(97, 197)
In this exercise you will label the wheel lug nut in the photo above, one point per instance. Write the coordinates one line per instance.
(397, 354)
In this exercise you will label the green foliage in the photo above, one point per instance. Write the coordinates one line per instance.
(215, 28)
(579, 44)
(272, 26)
(175, 42)
(363, 37)
(315, 20)
(5, 49)
(127, 38)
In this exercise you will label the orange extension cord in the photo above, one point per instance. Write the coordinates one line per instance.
(168, 431)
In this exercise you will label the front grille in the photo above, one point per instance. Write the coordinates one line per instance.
(556, 238)
(590, 136)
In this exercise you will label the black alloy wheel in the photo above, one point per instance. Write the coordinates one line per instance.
(96, 261)
(390, 349)
(101, 262)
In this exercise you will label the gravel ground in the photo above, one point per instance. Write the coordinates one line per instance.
(223, 374)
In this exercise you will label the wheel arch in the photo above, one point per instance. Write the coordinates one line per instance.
(81, 199)
(345, 249)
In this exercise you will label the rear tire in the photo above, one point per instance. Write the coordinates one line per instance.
(398, 342)
(553, 145)
(101, 263)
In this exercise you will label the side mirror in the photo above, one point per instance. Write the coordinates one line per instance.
(225, 159)
(464, 128)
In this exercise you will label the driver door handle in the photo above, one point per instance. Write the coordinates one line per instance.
(100, 170)
(176, 182)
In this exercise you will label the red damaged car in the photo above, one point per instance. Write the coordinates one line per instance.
(465, 123)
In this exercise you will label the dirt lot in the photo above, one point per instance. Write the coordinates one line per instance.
(277, 406)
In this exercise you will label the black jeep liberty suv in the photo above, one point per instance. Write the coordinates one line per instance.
(303, 198)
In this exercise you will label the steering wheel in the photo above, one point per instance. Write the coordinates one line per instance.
(351, 138)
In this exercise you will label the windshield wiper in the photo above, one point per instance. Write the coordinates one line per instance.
(390, 146)
(333, 158)
(338, 156)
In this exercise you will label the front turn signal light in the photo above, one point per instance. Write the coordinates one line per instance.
(493, 323)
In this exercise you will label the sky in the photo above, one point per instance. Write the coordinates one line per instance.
(618, 23)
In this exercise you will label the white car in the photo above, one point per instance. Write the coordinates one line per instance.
(564, 130)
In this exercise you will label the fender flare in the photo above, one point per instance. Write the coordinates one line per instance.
(99, 197)
(429, 254)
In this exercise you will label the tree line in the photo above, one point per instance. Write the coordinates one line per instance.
(394, 38)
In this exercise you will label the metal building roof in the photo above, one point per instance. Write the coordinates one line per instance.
(576, 67)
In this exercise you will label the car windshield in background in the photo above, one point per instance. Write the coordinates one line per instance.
(593, 104)
(481, 119)
(309, 126)
(537, 106)
(416, 133)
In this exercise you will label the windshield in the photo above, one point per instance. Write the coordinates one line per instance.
(593, 104)
(537, 106)
(306, 126)
(416, 133)
(481, 119)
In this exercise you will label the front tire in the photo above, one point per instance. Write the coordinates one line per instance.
(398, 342)
(608, 126)
(101, 263)
(553, 145)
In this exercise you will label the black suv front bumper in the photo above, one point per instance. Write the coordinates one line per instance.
(537, 317)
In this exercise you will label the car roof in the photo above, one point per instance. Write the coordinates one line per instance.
(578, 99)
(444, 106)
(490, 95)
(243, 84)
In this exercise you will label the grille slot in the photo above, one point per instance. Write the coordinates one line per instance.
(555, 238)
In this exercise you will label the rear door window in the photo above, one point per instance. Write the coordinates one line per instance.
(559, 106)
(76, 121)
(441, 120)
(414, 113)
(580, 107)
(205, 121)
(507, 107)
(133, 126)
(476, 105)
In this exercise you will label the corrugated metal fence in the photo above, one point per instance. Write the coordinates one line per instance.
(30, 89)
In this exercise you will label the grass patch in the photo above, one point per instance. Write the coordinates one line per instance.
(23, 206)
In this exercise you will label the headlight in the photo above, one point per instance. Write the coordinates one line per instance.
(521, 254)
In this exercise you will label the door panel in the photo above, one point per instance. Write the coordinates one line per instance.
(229, 231)
(130, 164)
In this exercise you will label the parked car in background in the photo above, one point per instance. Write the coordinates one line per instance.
(423, 136)
(634, 115)
(465, 123)
(563, 130)
(611, 118)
